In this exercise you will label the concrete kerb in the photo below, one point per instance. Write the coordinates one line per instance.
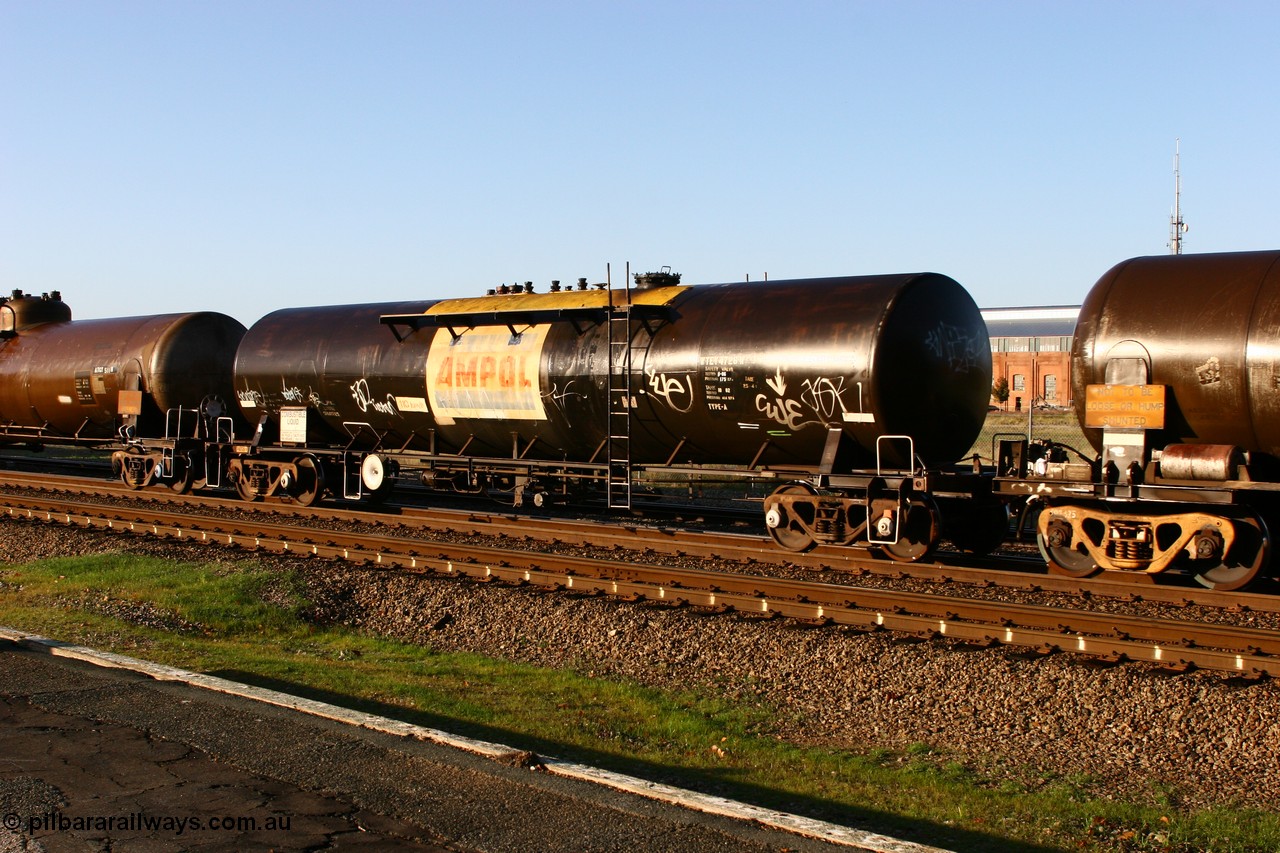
(498, 752)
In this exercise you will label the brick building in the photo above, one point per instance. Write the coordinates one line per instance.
(1031, 349)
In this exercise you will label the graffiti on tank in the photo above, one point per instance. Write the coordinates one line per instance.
(672, 390)
(825, 396)
(780, 408)
(293, 395)
(558, 397)
(786, 412)
(820, 400)
(251, 399)
(365, 400)
(951, 344)
(777, 383)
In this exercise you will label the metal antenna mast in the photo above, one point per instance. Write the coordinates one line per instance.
(1176, 226)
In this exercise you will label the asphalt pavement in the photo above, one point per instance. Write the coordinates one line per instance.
(104, 753)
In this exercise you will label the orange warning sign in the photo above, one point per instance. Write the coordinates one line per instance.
(1124, 406)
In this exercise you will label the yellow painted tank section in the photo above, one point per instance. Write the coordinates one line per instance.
(565, 299)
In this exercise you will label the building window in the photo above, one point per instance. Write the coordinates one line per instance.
(1050, 387)
(1019, 382)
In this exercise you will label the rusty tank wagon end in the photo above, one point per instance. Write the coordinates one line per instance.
(1176, 382)
(115, 381)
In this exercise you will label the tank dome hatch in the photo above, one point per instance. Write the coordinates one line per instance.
(20, 311)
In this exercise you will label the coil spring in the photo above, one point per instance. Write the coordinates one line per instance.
(1130, 542)
(828, 526)
(1127, 549)
(829, 523)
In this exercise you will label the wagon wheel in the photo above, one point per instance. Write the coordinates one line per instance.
(1249, 555)
(309, 482)
(184, 474)
(786, 526)
(918, 532)
(1061, 554)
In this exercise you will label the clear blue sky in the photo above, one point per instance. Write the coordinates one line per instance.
(159, 155)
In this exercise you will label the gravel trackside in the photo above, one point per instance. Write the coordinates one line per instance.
(1130, 731)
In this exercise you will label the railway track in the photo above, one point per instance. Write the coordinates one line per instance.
(402, 542)
(1020, 572)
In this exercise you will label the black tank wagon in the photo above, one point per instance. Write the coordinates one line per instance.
(329, 389)
(1176, 380)
(539, 395)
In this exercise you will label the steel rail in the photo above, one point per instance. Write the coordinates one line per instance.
(1172, 643)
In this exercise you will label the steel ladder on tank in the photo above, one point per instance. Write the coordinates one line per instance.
(621, 403)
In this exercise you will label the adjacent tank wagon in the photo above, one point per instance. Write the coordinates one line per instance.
(1176, 381)
(1206, 328)
(94, 382)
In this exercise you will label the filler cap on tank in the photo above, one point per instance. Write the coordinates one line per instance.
(663, 278)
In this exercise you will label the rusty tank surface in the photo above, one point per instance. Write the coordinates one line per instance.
(734, 374)
(1206, 327)
(61, 380)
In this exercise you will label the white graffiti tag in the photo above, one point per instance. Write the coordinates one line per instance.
(364, 399)
(784, 411)
(559, 397)
(778, 383)
(293, 395)
(824, 395)
(671, 390)
(251, 399)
